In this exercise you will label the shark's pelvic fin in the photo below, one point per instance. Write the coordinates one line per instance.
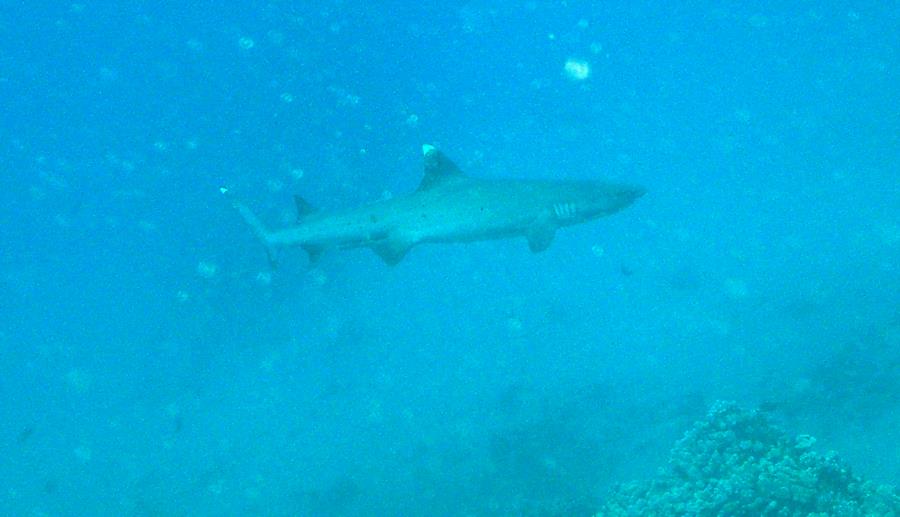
(540, 235)
(304, 208)
(391, 251)
(437, 168)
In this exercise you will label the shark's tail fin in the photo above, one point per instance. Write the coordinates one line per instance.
(259, 229)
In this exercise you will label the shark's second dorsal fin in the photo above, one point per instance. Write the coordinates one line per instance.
(303, 208)
(437, 168)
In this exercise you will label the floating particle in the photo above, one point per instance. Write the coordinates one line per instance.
(596, 47)
(597, 250)
(297, 173)
(287, 98)
(319, 278)
(246, 43)
(274, 185)
(78, 380)
(182, 296)
(577, 70)
(275, 37)
(514, 325)
(147, 226)
(207, 270)
(759, 21)
(583, 24)
(804, 441)
(173, 410)
(412, 120)
(194, 45)
(83, 454)
(264, 278)
(736, 288)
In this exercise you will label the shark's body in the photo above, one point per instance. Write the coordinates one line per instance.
(449, 207)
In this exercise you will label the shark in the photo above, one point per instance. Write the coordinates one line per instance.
(447, 207)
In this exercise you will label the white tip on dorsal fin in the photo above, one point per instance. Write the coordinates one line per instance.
(437, 168)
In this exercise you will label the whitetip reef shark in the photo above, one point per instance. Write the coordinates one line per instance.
(448, 206)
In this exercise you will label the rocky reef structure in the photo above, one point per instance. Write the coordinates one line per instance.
(735, 462)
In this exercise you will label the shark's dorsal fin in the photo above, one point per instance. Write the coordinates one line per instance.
(303, 208)
(437, 168)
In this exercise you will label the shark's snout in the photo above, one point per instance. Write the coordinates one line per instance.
(636, 192)
(628, 194)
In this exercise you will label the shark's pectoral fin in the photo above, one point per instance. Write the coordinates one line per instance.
(540, 235)
(391, 251)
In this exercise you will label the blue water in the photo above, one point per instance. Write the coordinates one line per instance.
(151, 363)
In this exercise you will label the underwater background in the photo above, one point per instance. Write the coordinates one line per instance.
(152, 363)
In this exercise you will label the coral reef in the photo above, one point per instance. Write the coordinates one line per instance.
(735, 462)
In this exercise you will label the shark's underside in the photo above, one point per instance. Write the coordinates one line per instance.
(448, 206)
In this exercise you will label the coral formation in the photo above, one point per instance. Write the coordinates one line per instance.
(736, 462)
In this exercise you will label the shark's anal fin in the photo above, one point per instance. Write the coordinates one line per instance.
(303, 208)
(540, 235)
(438, 168)
(313, 252)
(391, 250)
